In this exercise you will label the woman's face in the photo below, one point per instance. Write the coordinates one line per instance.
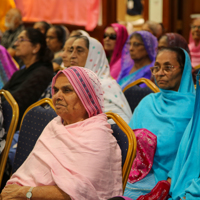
(79, 53)
(52, 40)
(137, 49)
(24, 48)
(67, 103)
(67, 52)
(195, 29)
(170, 80)
(109, 40)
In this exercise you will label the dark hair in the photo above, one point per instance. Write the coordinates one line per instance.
(87, 43)
(45, 25)
(36, 37)
(179, 53)
(61, 34)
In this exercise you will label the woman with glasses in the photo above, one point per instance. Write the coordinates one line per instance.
(138, 55)
(27, 85)
(166, 114)
(114, 39)
(194, 42)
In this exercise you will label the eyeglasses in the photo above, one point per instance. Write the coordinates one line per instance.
(166, 69)
(22, 40)
(110, 36)
(194, 27)
(135, 44)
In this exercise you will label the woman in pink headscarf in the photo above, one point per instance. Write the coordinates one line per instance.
(115, 37)
(76, 157)
(194, 42)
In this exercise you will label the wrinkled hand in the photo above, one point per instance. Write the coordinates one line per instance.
(14, 192)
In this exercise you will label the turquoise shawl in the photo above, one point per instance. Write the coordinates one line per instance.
(186, 169)
(166, 114)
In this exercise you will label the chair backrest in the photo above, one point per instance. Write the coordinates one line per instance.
(127, 141)
(34, 120)
(11, 115)
(134, 93)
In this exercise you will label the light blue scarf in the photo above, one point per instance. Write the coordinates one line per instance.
(186, 169)
(166, 114)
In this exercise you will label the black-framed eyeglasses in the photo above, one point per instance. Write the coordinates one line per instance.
(166, 69)
(111, 36)
(194, 27)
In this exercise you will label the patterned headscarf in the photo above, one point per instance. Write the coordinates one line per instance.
(114, 99)
(177, 40)
(87, 86)
(115, 63)
(150, 44)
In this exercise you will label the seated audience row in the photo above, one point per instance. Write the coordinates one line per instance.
(166, 115)
(76, 156)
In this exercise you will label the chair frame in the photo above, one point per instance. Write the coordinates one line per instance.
(148, 82)
(12, 129)
(38, 103)
(131, 153)
(197, 67)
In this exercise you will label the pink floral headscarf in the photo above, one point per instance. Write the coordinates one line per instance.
(115, 63)
(87, 86)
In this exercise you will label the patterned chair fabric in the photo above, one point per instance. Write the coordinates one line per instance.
(122, 140)
(32, 126)
(135, 94)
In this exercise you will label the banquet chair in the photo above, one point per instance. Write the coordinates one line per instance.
(10, 111)
(127, 141)
(134, 93)
(34, 120)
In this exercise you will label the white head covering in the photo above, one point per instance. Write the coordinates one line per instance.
(114, 99)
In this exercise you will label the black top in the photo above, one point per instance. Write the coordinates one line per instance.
(27, 85)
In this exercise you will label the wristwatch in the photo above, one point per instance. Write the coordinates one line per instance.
(29, 193)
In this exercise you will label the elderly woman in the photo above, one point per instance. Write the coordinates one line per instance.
(173, 40)
(76, 157)
(166, 115)
(138, 56)
(89, 53)
(115, 37)
(194, 42)
(185, 182)
(27, 85)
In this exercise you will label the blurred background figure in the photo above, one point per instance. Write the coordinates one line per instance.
(6, 5)
(138, 56)
(27, 85)
(14, 24)
(153, 27)
(7, 66)
(173, 40)
(42, 26)
(114, 39)
(194, 42)
(55, 38)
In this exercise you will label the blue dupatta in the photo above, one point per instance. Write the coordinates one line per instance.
(166, 114)
(186, 169)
